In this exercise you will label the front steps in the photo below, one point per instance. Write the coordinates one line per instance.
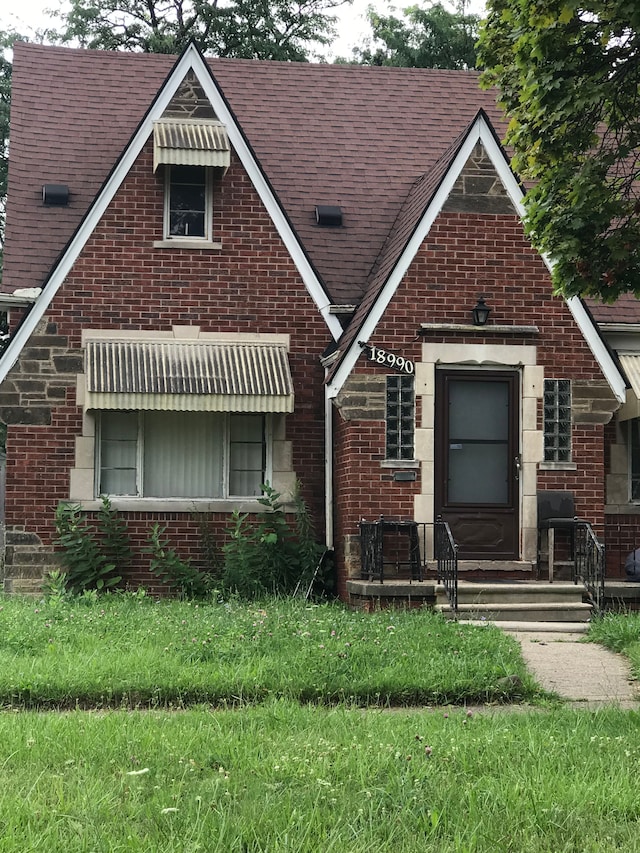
(517, 602)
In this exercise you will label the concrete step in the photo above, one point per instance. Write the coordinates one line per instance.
(535, 627)
(531, 593)
(551, 611)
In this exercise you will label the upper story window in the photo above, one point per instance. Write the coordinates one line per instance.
(188, 203)
(557, 420)
(194, 154)
(400, 420)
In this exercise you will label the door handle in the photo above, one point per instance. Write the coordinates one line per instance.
(518, 465)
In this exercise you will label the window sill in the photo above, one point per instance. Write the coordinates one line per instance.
(400, 463)
(622, 509)
(184, 243)
(558, 466)
(189, 505)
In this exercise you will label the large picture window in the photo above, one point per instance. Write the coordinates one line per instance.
(557, 420)
(181, 454)
(400, 420)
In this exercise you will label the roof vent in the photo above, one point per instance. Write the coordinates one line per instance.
(328, 214)
(55, 194)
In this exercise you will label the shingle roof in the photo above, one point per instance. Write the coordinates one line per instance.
(353, 136)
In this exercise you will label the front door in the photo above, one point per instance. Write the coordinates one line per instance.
(477, 463)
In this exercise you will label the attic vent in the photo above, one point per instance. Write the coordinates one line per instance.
(55, 194)
(190, 143)
(328, 214)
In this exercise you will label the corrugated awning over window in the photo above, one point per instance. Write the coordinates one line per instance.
(631, 365)
(190, 143)
(189, 377)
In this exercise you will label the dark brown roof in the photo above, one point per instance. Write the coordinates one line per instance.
(353, 136)
(626, 309)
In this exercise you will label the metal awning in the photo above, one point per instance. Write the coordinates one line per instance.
(631, 365)
(190, 143)
(188, 376)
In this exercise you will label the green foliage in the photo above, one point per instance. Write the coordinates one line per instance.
(271, 556)
(115, 542)
(87, 567)
(431, 37)
(250, 29)
(568, 74)
(178, 575)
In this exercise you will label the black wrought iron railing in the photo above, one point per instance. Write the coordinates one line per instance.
(392, 549)
(589, 565)
(446, 556)
(397, 550)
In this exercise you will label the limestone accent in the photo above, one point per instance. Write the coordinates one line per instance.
(352, 555)
(190, 101)
(493, 357)
(479, 188)
(40, 379)
(27, 562)
(363, 398)
(592, 401)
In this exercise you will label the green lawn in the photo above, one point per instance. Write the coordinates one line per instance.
(294, 745)
(135, 651)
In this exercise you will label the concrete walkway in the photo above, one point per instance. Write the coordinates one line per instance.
(585, 674)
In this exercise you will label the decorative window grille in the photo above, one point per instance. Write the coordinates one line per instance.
(401, 415)
(557, 420)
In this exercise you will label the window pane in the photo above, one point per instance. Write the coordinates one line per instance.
(187, 201)
(118, 453)
(634, 441)
(400, 411)
(557, 420)
(246, 455)
(183, 455)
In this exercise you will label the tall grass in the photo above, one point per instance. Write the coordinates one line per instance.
(135, 651)
(284, 777)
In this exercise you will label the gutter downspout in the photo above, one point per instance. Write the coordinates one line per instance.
(328, 469)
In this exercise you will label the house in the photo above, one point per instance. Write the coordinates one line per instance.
(221, 272)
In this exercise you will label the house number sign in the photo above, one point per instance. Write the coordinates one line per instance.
(389, 359)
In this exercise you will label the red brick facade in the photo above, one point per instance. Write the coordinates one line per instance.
(121, 282)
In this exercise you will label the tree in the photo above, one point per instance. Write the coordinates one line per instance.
(252, 29)
(430, 37)
(569, 76)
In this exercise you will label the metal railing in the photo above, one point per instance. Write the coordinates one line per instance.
(589, 565)
(396, 550)
(391, 548)
(446, 555)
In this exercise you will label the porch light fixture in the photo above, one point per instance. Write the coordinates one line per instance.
(480, 313)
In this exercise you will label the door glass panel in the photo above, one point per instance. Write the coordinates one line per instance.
(478, 447)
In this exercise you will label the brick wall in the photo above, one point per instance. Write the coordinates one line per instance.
(120, 281)
(469, 252)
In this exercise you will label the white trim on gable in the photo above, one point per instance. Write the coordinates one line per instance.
(479, 132)
(191, 59)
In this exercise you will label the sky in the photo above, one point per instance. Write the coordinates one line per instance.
(29, 15)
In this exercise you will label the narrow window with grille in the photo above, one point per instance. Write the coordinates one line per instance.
(557, 420)
(400, 417)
